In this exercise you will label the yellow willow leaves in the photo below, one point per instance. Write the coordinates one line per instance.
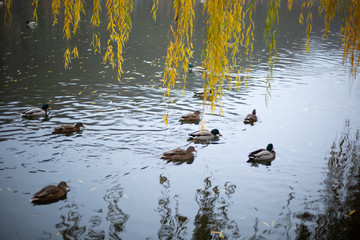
(119, 27)
(225, 28)
(55, 6)
(8, 17)
(95, 22)
(180, 47)
(35, 4)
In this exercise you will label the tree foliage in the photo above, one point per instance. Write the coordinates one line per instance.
(229, 28)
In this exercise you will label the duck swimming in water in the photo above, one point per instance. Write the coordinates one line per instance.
(67, 128)
(179, 154)
(36, 112)
(50, 193)
(204, 135)
(262, 154)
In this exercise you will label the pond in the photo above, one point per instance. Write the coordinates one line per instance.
(120, 188)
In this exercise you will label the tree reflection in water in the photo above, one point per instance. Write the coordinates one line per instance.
(172, 227)
(341, 194)
(115, 215)
(70, 227)
(212, 221)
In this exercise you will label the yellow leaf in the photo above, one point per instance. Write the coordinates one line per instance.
(266, 224)
(352, 212)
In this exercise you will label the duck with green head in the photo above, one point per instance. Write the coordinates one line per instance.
(204, 135)
(36, 112)
(263, 154)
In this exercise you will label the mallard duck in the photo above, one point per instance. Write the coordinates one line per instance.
(36, 112)
(204, 135)
(31, 24)
(50, 193)
(200, 93)
(263, 154)
(179, 154)
(67, 128)
(195, 69)
(191, 117)
(251, 118)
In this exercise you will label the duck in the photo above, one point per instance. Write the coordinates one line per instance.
(67, 128)
(191, 117)
(31, 24)
(262, 154)
(36, 111)
(179, 154)
(201, 93)
(251, 118)
(204, 135)
(196, 69)
(51, 193)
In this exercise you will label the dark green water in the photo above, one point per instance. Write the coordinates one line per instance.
(121, 189)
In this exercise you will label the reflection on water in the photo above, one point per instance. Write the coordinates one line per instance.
(114, 166)
(341, 194)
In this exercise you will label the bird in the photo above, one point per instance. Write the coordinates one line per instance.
(196, 69)
(179, 154)
(201, 93)
(262, 154)
(204, 135)
(191, 117)
(31, 24)
(36, 111)
(51, 193)
(251, 118)
(67, 128)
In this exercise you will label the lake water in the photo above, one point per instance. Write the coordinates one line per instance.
(120, 187)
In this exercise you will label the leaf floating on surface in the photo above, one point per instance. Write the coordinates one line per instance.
(352, 212)
(266, 224)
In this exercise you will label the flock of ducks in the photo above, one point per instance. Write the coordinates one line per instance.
(179, 154)
(54, 193)
(37, 112)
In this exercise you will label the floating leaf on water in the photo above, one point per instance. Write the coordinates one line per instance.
(80, 92)
(93, 91)
(58, 233)
(266, 224)
(93, 103)
(352, 212)
(92, 189)
(273, 223)
(292, 150)
(242, 218)
(126, 196)
(9, 189)
(80, 181)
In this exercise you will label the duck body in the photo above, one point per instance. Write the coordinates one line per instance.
(50, 193)
(251, 118)
(67, 128)
(204, 135)
(179, 154)
(191, 117)
(36, 112)
(31, 24)
(196, 69)
(262, 154)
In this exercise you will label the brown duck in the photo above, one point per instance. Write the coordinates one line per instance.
(191, 117)
(67, 128)
(251, 118)
(51, 193)
(179, 154)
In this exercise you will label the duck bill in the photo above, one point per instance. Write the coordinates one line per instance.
(220, 134)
